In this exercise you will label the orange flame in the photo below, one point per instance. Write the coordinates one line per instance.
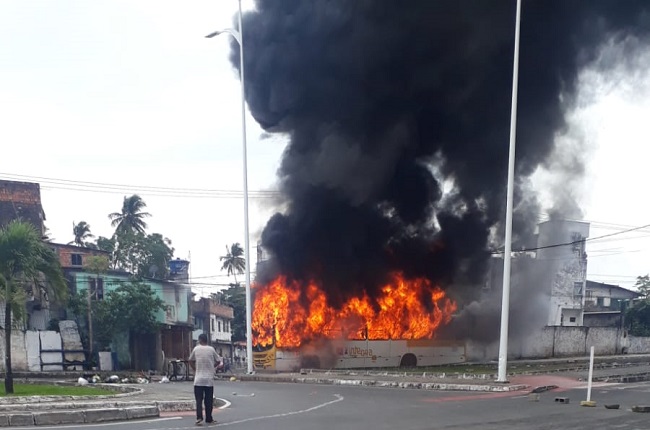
(291, 315)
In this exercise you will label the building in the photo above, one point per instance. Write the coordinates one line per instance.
(561, 248)
(173, 341)
(547, 279)
(21, 200)
(215, 320)
(605, 304)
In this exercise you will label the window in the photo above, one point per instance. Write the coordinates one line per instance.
(572, 319)
(96, 288)
(219, 323)
(211, 324)
(577, 289)
(75, 260)
(171, 312)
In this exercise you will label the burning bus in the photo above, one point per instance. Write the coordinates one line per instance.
(295, 327)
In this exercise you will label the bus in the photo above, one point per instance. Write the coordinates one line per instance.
(360, 354)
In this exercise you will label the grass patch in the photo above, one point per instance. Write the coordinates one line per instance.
(53, 390)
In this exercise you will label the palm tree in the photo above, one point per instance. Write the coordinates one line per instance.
(131, 219)
(81, 232)
(25, 261)
(233, 261)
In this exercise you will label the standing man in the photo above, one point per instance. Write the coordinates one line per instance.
(204, 360)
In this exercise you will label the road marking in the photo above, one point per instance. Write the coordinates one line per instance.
(339, 398)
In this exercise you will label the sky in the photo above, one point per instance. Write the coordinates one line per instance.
(104, 99)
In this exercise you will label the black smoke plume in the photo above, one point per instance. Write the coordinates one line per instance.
(398, 115)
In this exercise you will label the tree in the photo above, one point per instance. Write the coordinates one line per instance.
(144, 255)
(235, 297)
(637, 318)
(643, 285)
(131, 219)
(233, 261)
(25, 262)
(81, 233)
(107, 245)
(130, 308)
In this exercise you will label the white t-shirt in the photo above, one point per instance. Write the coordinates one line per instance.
(206, 359)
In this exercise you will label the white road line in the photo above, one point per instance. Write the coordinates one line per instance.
(339, 398)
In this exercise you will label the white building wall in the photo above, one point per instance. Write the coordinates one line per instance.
(220, 329)
(567, 286)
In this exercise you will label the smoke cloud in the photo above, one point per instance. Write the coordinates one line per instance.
(398, 115)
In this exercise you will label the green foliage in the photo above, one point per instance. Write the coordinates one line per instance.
(106, 244)
(235, 296)
(97, 264)
(81, 232)
(131, 218)
(56, 390)
(27, 263)
(637, 318)
(130, 308)
(643, 285)
(234, 262)
(143, 255)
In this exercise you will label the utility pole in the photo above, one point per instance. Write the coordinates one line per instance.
(96, 265)
(90, 321)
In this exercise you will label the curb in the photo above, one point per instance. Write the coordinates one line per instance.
(442, 386)
(78, 417)
(18, 415)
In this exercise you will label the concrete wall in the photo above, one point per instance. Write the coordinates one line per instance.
(637, 345)
(605, 340)
(558, 341)
(51, 340)
(26, 349)
(18, 350)
(33, 347)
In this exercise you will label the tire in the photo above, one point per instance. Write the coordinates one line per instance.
(408, 360)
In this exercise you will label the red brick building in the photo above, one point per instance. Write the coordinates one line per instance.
(21, 200)
(76, 257)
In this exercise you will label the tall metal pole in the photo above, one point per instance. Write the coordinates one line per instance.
(249, 331)
(505, 301)
(239, 37)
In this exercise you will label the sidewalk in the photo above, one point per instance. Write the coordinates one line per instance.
(149, 400)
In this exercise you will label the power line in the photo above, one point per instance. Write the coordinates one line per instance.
(76, 185)
(155, 194)
(575, 242)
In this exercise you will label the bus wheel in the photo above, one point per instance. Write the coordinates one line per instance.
(310, 362)
(408, 360)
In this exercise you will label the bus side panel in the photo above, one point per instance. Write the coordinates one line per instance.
(433, 352)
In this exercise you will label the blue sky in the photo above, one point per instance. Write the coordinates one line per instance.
(125, 92)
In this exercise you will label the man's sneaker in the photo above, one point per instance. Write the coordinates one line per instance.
(212, 422)
(199, 421)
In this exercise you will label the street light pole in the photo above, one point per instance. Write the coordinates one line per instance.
(505, 301)
(238, 36)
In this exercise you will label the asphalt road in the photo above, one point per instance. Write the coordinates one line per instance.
(271, 406)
